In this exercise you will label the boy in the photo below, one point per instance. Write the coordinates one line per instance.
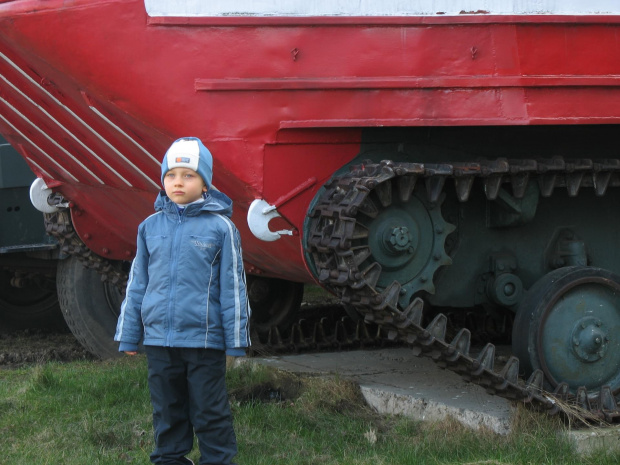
(186, 301)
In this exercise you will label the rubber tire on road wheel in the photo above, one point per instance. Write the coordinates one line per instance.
(28, 307)
(557, 316)
(274, 303)
(90, 307)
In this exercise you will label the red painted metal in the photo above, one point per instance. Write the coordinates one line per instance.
(93, 92)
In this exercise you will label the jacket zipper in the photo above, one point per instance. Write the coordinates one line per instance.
(174, 252)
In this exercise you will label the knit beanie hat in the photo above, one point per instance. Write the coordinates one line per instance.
(189, 152)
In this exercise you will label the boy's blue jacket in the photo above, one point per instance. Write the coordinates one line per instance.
(186, 286)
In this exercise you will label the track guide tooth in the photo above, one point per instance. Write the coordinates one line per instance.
(274, 337)
(389, 297)
(459, 347)
(360, 254)
(368, 208)
(436, 330)
(367, 277)
(492, 174)
(520, 171)
(406, 185)
(434, 187)
(562, 392)
(484, 361)
(464, 175)
(383, 192)
(583, 401)
(573, 183)
(492, 184)
(414, 312)
(342, 335)
(534, 384)
(575, 172)
(608, 404)
(436, 176)
(437, 327)
(463, 187)
(547, 184)
(604, 172)
(509, 374)
(601, 182)
(519, 184)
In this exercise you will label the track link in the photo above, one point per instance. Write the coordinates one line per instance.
(59, 226)
(333, 225)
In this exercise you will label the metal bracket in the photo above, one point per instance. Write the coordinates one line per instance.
(40, 195)
(260, 214)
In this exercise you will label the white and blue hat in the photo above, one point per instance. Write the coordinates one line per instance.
(189, 152)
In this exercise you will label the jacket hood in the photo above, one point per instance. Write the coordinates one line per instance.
(215, 202)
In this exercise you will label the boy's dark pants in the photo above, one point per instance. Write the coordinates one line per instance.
(188, 393)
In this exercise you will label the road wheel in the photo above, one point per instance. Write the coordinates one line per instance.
(274, 302)
(35, 305)
(568, 326)
(90, 307)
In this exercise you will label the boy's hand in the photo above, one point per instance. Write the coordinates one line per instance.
(131, 353)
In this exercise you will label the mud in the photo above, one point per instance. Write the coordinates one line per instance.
(33, 346)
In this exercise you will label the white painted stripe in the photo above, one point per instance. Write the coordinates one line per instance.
(119, 129)
(32, 162)
(58, 146)
(121, 324)
(209, 297)
(144, 175)
(75, 116)
(231, 232)
(249, 310)
(58, 165)
(301, 8)
(45, 112)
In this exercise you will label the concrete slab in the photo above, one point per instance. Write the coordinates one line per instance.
(395, 381)
(589, 441)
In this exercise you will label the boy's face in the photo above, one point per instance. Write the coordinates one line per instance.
(183, 185)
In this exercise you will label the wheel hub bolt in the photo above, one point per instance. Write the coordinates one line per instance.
(589, 339)
(509, 289)
(398, 240)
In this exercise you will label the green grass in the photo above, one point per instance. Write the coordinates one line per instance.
(99, 413)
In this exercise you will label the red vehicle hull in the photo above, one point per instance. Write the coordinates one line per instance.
(92, 93)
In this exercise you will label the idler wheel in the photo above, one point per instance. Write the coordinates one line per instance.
(568, 325)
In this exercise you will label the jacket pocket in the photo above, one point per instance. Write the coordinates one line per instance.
(203, 250)
(158, 247)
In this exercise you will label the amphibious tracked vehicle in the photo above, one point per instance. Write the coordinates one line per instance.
(450, 171)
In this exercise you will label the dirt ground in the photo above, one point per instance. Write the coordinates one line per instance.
(38, 346)
(27, 346)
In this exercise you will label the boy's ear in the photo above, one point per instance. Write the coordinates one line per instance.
(204, 188)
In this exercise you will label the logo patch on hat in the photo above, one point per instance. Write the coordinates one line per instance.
(185, 154)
